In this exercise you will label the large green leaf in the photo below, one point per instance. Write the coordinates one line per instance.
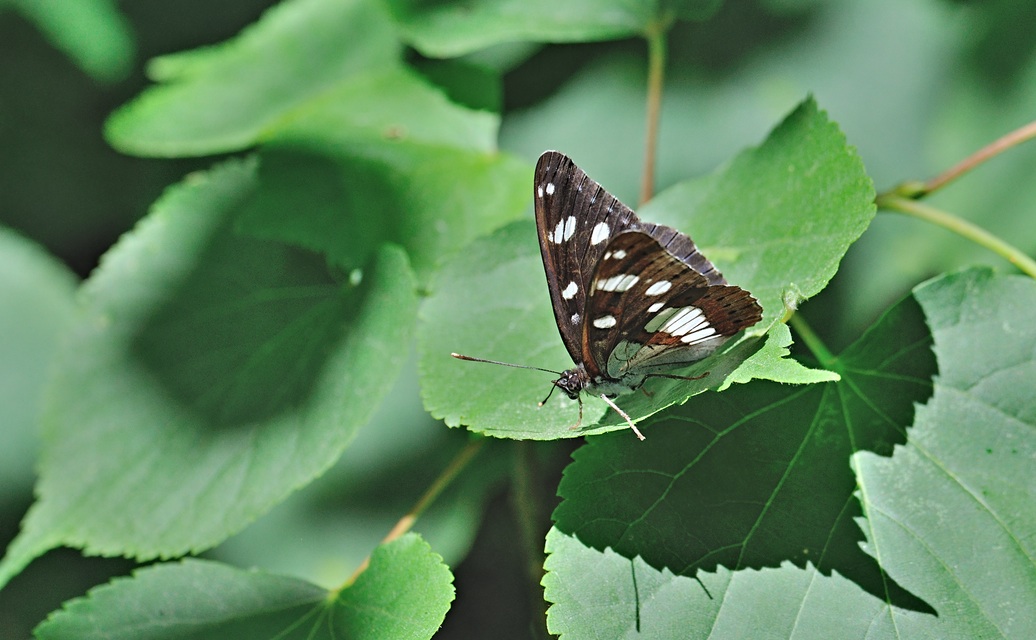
(404, 593)
(776, 221)
(222, 98)
(207, 376)
(743, 518)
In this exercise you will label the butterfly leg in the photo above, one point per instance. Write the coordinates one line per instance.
(622, 413)
(580, 420)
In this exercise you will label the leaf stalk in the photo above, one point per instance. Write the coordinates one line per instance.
(976, 234)
(459, 462)
(656, 39)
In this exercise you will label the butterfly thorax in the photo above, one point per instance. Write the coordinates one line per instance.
(578, 379)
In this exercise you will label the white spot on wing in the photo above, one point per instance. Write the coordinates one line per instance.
(699, 336)
(684, 321)
(658, 288)
(570, 227)
(621, 282)
(575, 318)
(563, 231)
(605, 322)
(555, 235)
(600, 233)
(619, 254)
(539, 191)
(570, 291)
(550, 188)
(655, 307)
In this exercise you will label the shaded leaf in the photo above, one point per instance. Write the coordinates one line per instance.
(730, 479)
(36, 306)
(207, 376)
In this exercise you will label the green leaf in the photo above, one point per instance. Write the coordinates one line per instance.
(781, 216)
(951, 514)
(747, 501)
(776, 221)
(446, 30)
(91, 32)
(430, 200)
(207, 376)
(600, 594)
(222, 98)
(404, 593)
(771, 362)
(36, 306)
(390, 105)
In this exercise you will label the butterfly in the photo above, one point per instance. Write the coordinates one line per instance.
(632, 299)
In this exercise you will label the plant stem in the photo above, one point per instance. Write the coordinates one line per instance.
(812, 342)
(991, 150)
(529, 512)
(959, 226)
(656, 39)
(407, 522)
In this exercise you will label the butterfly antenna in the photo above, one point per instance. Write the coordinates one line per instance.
(506, 364)
(549, 393)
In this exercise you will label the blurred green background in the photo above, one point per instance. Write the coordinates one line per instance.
(916, 85)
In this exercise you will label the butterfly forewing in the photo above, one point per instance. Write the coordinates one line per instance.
(575, 219)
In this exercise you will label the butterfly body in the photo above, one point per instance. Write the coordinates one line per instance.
(632, 299)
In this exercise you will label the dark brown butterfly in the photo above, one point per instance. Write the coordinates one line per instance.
(631, 299)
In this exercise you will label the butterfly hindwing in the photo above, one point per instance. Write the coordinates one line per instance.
(647, 310)
(575, 219)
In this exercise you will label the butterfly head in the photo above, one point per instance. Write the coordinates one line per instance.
(573, 381)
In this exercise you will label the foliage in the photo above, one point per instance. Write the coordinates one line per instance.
(237, 376)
